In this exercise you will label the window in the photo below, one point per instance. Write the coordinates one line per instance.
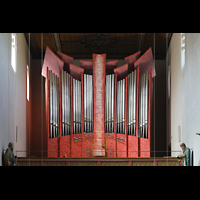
(182, 50)
(27, 83)
(13, 50)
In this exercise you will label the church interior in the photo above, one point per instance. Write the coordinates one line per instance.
(100, 99)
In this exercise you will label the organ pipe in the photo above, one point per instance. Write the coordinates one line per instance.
(109, 104)
(77, 111)
(66, 111)
(88, 103)
(120, 106)
(143, 105)
(54, 105)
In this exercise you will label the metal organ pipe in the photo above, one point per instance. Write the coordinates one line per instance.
(109, 104)
(109, 108)
(57, 105)
(146, 101)
(51, 104)
(77, 106)
(120, 106)
(131, 104)
(68, 104)
(123, 104)
(54, 105)
(146, 104)
(85, 99)
(143, 105)
(134, 102)
(66, 111)
(63, 103)
(113, 94)
(88, 103)
(128, 103)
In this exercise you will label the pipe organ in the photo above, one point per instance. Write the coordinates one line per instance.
(99, 108)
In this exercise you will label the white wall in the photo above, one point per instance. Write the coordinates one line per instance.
(6, 72)
(20, 81)
(185, 92)
(13, 93)
(174, 61)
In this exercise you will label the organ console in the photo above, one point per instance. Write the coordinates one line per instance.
(71, 105)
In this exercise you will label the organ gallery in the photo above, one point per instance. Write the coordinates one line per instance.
(98, 108)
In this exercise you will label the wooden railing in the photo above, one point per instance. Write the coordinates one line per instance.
(101, 161)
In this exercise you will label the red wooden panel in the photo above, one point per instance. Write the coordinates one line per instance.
(87, 65)
(52, 147)
(52, 61)
(145, 62)
(65, 146)
(132, 146)
(76, 71)
(76, 145)
(144, 146)
(111, 147)
(121, 71)
(131, 59)
(86, 145)
(110, 65)
(67, 59)
(121, 145)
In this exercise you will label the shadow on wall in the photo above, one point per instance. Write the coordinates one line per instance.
(192, 157)
(2, 157)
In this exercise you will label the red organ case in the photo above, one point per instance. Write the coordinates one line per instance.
(98, 108)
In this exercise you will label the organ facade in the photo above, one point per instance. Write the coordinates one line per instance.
(98, 108)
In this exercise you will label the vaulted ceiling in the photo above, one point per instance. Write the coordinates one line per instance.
(82, 45)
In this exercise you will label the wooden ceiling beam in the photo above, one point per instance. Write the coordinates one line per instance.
(56, 37)
(140, 41)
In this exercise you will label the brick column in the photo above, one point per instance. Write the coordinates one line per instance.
(99, 75)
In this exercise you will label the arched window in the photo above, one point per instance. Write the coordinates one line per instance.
(182, 50)
(13, 50)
